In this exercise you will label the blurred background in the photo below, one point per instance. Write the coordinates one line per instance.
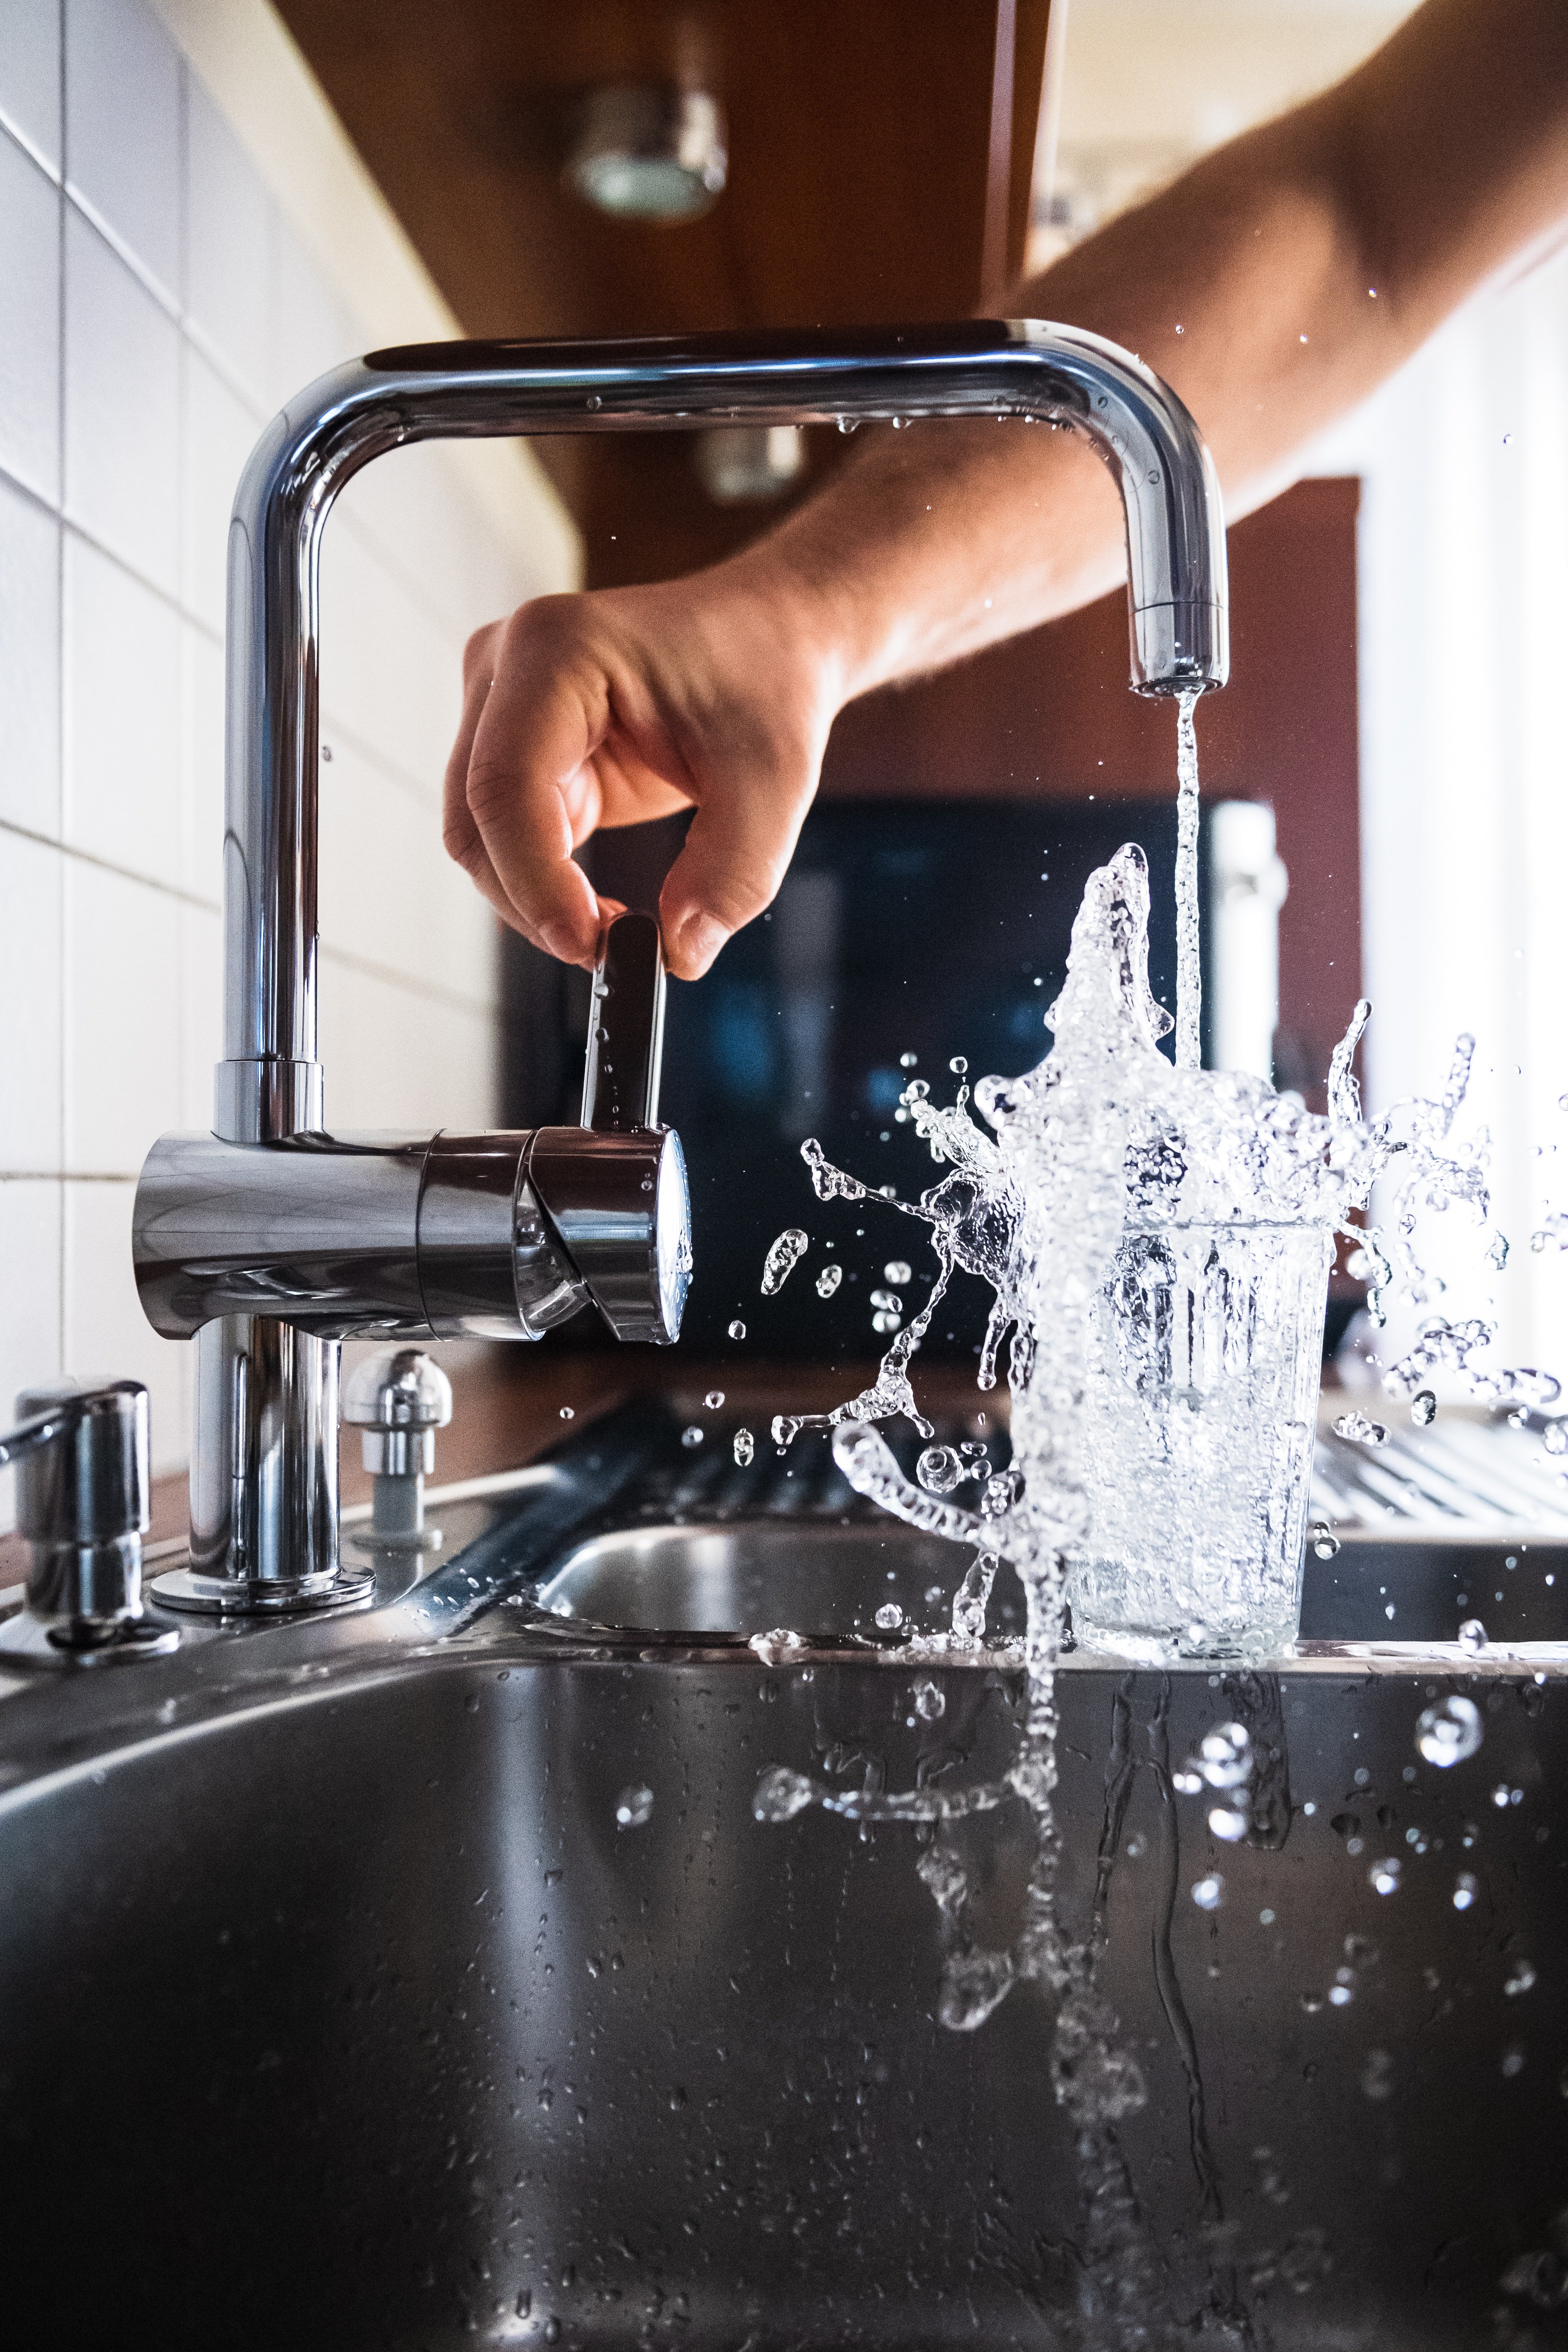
(209, 201)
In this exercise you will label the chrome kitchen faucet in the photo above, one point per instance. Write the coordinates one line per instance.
(271, 1239)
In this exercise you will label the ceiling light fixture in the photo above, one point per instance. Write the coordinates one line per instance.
(648, 151)
(742, 462)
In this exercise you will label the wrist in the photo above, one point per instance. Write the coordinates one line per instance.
(811, 581)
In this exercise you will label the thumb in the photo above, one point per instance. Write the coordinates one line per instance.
(737, 849)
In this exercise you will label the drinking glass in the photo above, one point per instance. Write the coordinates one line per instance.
(1205, 1355)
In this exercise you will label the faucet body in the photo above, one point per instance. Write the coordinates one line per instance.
(264, 1473)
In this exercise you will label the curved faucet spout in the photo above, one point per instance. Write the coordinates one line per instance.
(269, 1084)
(264, 1468)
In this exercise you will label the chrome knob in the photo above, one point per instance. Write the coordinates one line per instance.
(398, 1402)
(82, 1502)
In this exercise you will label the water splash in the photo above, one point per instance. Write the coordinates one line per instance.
(782, 1257)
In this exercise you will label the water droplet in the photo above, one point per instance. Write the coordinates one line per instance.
(1554, 1437)
(829, 1280)
(1375, 2074)
(1229, 1822)
(930, 1702)
(1518, 1980)
(908, 1061)
(691, 1436)
(884, 1322)
(1356, 1426)
(1495, 1251)
(1383, 1876)
(713, 1399)
(1225, 1756)
(777, 1648)
(783, 1258)
(737, 1330)
(1448, 1732)
(889, 1616)
(1342, 1995)
(958, 1066)
(1466, 1889)
(1322, 1538)
(1186, 1782)
(1512, 2063)
(1424, 1409)
(634, 1806)
(938, 1469)
(567, 1413)
(745, 1445)
(889, 1300)
(1208, 1892)
(1472, 1635)
(896, 1271)
(780, 1794)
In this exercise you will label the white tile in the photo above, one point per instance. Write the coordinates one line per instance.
(123, 410)
(106, 1332)
(309, 329)
(201, 1033)
(122, 711)
(30, 77)
(123, 128)
(29, 663)
(29, 1301)
(30, 323)
(31, 897)
(389, 892)
(228, 232)
(202, 761)
(398, 1059)
(388, 671)
(409, 508)
(122, 1019)
(219, 435)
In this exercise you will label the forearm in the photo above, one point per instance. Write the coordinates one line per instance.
(1274, 287)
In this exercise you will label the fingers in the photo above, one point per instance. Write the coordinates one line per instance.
(583, 710)
(527, 792)
(740, 842)
(460, 836)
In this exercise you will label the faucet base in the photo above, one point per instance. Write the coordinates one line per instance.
(26, 1640)
(234, 1596)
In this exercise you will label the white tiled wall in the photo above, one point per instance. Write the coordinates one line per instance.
(156, 305)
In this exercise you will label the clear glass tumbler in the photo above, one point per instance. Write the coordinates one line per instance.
(1206, 1353)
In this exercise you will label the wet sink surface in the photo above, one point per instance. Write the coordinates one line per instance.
(337, 2009)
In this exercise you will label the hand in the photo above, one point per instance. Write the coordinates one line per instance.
(630, 703)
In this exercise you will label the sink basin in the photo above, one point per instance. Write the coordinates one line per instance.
(348, 1998)
(753, 1576)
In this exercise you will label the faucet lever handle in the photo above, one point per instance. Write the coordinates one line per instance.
(626, 1028)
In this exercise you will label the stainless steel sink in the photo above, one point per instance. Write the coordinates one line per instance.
(823, 1580)
(338, 2007)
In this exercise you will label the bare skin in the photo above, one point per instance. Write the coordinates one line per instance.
(1274, 287)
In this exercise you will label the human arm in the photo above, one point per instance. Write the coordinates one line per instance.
(1274, 287)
